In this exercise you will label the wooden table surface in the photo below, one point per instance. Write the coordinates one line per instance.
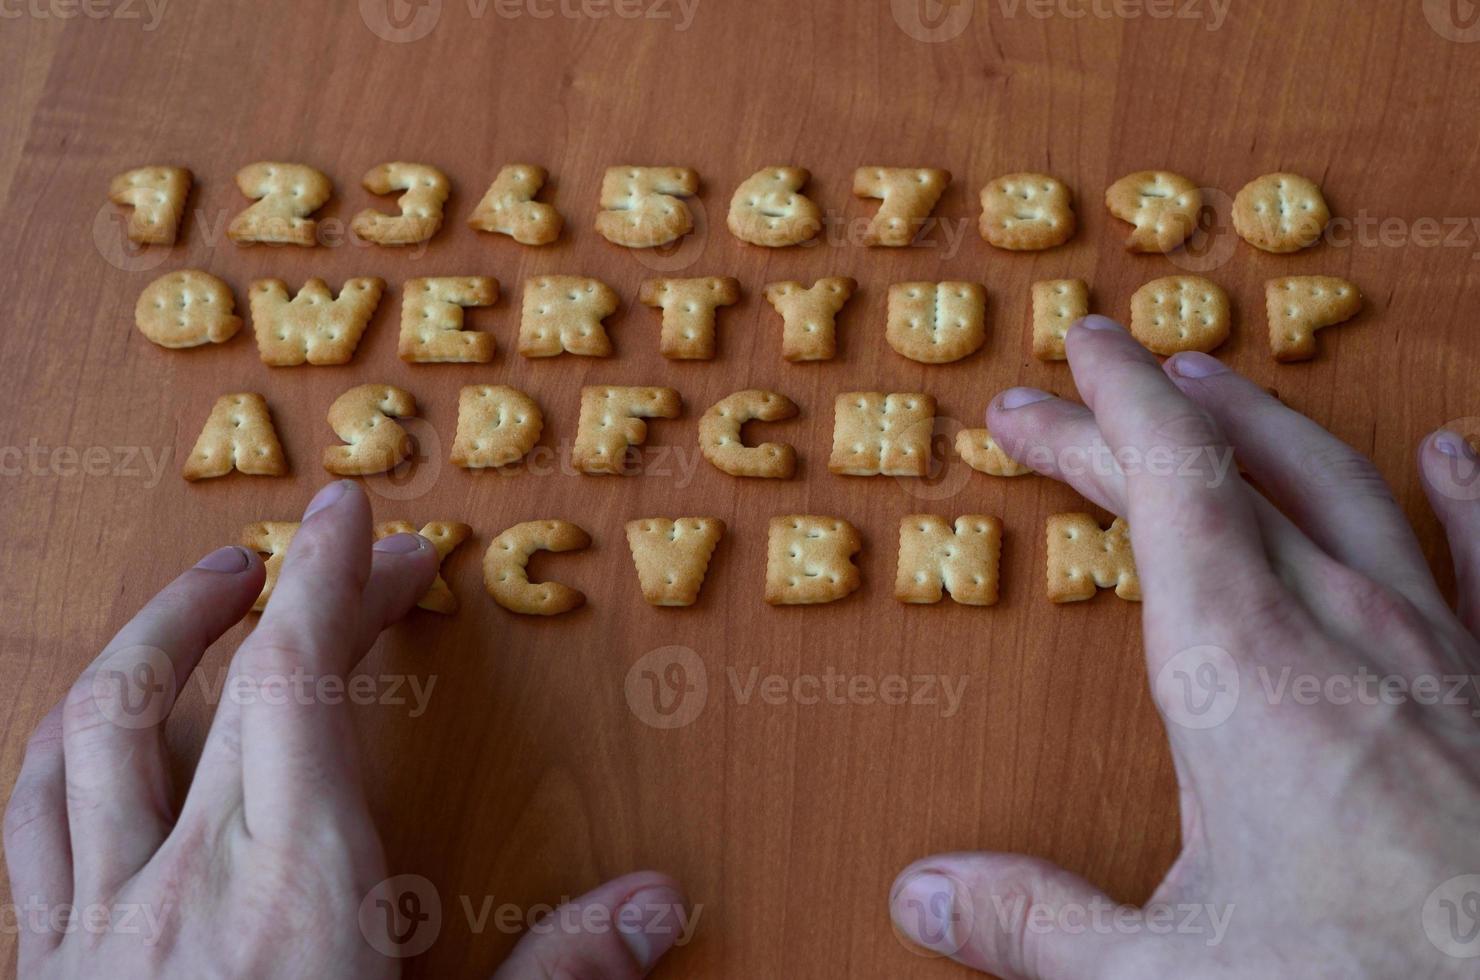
(533, 771)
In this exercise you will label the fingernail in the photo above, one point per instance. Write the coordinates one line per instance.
(924, 909)
(399, 544)
(1018, 397)
(1453, 444)
(230, 560)
(1096, 322)
(651, 922)
(327, 497)
(1194, 364)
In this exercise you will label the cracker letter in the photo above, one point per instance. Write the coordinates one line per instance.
(314, 325)
(238, 435)
(612, 421)
(363, 418)
(1162, 206)
(875, 434)
(285, 194)
(496, 425)
(432, 320)
(564, 313)
(810, 560)
(672, 556)
(809, 316)
(506, 568)
(722, 445)
(688, 307)
(157, 196)
(1280, 213)
(963, 561)
(187, 309)
(1057, 305)
(1180, 313)
(1082, 559)
(1300, 305)
(640, 206)
(269, 539)
(981, 452)
(936, 322)
(906, 195)
(445, 536)
(425, 191)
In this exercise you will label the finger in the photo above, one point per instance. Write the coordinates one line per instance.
(1451, 477)
(399, 575)
(1015, 917)
(1191, 515)
(117, 773)
(620, 929)
(1330, 490)
(38, 854)
(296, 741)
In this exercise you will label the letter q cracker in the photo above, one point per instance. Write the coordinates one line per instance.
(187, 309)
(907, 195)
(672, 556)
(963, 560)
(364, 418)
(809, 560)
(157, 196)
(238, 435)
(424, 191)
(769, 209)
(641, 206)
(1083, 559)
(1027, 212)
(689, 307)
(1180, 313)
(432, 320)
(509, 208)
(1162, 206)
(314, 325)
(936, 322)
(506, 568)
(1298, 306)
(875, 434)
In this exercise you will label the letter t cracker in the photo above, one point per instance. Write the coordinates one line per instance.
(689, 307)
(1082, 559)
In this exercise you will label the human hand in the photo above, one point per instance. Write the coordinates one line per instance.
(264, 870)
(1325, 832)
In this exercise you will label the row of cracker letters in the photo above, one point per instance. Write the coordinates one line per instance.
(643, 207)
(927, 322)
(809, 559)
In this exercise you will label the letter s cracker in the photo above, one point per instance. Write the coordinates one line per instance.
(363, 418)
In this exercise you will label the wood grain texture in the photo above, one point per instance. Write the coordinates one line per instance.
(529, 776)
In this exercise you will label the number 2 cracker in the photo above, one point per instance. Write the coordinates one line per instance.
(285, 195)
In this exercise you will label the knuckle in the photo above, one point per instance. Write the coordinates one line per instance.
(1186, 425)
(1340, 467)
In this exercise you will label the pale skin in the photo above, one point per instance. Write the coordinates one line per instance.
(1313, 832)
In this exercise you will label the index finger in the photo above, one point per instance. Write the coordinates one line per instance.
(1192, 517)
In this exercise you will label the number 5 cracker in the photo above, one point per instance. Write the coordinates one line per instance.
(640, 206)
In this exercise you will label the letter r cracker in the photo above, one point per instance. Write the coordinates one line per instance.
(875, 434)
(1082, 559)
(672, 556)
(809, 560)
(564, 313)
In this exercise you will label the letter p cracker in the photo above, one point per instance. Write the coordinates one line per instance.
(1298, 306)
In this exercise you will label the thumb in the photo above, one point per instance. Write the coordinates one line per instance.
(1018, 917)
(619, 929)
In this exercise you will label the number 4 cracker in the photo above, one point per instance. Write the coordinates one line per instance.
(509, 207)
(1082, 558)
(238, 435)
(672, 556)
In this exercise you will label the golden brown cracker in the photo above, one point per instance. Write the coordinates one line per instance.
(672, 556)
(809, 560)
(1180, 313)
(1300, 305)
(509, 207)
(809, 316)
(980, 451)
(506, 567)
(444, 536)
(611, 421)
(720, 435)
(641, 206)
(963, 560)
(424, 191)
(270, 539)
(936, 322)
(363, 417)
(875, 434)
(1082, 559)
(496, 425)
(563, 314)
(187, 308)
(157, 196)
(285, 194)
(1162, 207)
(1058, 304)
(906, 197)
(770, 210)
(1280, 213)
(314, 325)
(238, 435)
(432, 320)
(689, 307)
(1027, 212)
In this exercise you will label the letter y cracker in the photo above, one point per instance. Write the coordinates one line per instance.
(238, 435)
(672, 556)
(689, 307)
(1082, 559)
(432, 320)
(1300, 305)
(963, 561)
(157, 196)
(907, 197)
(809, 316)
(509, 207)
(809, 560)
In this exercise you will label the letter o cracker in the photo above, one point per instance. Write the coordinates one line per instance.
(640, 206)
(768, 209)
(721, 443)
(157, 196)
(285, 195)
(936, 322)
(809, 560)
(509, 208)
(1162, 206)
(187, 309)
(1027, 212)
(362, 417)
(506, 568)
(1180, 313)
(1298, 306)
(1280, 213)
(425, 191)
